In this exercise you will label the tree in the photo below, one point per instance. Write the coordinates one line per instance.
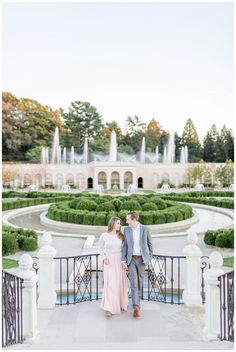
(26, 125)
(227, 143)
(191, 139)
(82, 120)
(135, 130)
(177, 146)
(152, 135)
(113, 126)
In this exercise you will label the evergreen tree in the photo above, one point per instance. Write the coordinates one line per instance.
(83, 120)
(191, 139)
(135, 130)
(227, 142)
(153, 135)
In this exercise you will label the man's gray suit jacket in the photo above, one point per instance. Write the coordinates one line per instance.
(145, 245)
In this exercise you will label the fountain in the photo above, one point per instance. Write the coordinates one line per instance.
(165, 187)
(131, 188)
(184, 155)
(99, 189)
(66, 188)
(231, 187)
(55, 152)
(72, 155)
(64, 156)
(164, 155)
(142, 151)
(113, 147)
(199, 187)
(157, 154)
(33, 188)
(85, 153)
(170, 154)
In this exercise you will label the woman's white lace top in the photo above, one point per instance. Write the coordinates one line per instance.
(109, 243)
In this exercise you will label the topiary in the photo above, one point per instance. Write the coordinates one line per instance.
(86, 204)
(9, 244)
(107, 206)
(210, 237)
(146, 218)
(29, 244)
(222, 240)
(130, 205)
(149, 206)
(160, 203)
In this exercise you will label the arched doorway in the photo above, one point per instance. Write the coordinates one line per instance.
(140, 182)
(115, 180)
(128, 179)
(90, 182)
(102, 179)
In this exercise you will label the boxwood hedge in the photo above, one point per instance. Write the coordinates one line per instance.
(220, 238)
(81, 211)
(14, 239)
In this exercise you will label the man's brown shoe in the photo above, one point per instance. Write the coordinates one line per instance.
(136, 313)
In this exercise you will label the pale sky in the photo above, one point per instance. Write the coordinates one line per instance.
(169, 61)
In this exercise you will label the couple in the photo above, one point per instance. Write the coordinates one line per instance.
(130, 251)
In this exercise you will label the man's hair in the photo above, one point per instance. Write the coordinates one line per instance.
(133, 215)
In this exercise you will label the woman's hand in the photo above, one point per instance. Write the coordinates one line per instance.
(106, 261)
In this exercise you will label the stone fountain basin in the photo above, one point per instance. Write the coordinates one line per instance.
(90, 229)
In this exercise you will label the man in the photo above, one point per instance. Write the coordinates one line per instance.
(136, 254)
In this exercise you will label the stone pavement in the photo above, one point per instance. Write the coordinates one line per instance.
(84, 326)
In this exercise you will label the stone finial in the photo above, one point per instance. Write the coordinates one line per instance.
(216, 260)
(192, 237)
(46, 239)
(25, 262)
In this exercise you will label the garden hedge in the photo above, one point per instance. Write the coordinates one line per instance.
(222, 203)
(220, 238)
(14, 239)
(153, 211)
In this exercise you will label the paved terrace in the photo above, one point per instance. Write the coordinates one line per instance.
(83, 326)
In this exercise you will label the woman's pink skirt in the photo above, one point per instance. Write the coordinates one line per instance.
(115, 295)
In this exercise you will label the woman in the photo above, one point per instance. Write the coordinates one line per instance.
(115, 296)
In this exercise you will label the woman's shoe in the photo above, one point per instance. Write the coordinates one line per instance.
(108, 314)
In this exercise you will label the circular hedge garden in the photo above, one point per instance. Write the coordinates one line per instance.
(92, 209)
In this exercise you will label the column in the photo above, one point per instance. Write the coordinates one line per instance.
(212, 305)
(29, 302)
(191, 294)
(47, 294)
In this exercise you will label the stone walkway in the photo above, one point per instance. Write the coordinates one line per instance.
(83, 326)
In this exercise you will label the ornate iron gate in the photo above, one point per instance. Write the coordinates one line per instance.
(12, 325)
(226, 286)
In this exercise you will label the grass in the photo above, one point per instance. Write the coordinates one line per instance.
(9, 263)
(229, 261)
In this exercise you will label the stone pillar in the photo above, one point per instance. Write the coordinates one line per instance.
(47, 294)
(192, 290)
(29, 301)
(212, 305)
(108, 180)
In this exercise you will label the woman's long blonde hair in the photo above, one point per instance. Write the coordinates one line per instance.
(111, 225)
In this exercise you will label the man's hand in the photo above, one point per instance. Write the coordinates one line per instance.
(106, 261)
(124, 266)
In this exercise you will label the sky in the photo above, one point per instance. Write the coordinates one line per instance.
(168, 61)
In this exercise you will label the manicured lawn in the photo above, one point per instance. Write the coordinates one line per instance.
(228, 261)
(9, 263)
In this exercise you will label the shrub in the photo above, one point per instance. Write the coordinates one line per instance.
(9, 244)
(100, 219)
(169, 217)
(146, 218)
(86, 204)
(29, 244)
(161, 204)
(222, 240)
(117, 204)
(107, 206)
(210, 237)
(159, 218)
(131, 205)
(88, 218)
(149, 206)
